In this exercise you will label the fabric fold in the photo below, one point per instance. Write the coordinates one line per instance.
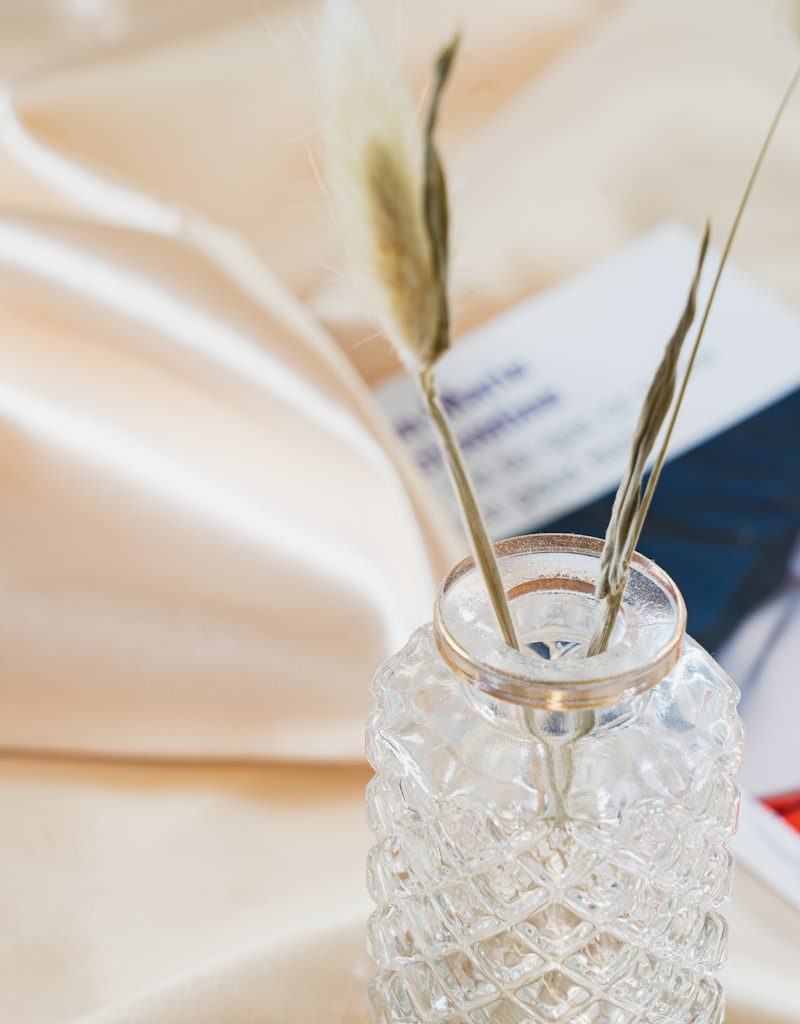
(201, 599)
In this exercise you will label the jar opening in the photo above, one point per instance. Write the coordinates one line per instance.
(550, 579)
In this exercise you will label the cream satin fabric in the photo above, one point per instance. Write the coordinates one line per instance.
(208, 536)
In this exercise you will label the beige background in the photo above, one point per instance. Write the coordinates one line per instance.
(208, 537)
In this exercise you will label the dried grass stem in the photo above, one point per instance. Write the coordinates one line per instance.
(617, 552)
(613, 600)
(480, 543)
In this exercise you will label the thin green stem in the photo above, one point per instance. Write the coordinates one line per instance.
(481, 545)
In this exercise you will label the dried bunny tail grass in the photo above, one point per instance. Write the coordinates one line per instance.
(376, 170)
(617, 551)
(613, 600)
(437, 207)
(651, 419)
(390, 197)
(437, 221)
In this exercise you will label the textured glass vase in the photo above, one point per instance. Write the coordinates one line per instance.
(550, 831)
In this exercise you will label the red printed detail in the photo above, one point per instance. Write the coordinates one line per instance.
(788, 806)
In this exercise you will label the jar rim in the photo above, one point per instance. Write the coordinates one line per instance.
(565, 684)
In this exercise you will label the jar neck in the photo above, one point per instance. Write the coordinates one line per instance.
(550, 580)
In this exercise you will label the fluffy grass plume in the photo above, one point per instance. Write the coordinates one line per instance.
(376, 172)
(390, 200)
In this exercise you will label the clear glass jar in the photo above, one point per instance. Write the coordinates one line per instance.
(551, 830)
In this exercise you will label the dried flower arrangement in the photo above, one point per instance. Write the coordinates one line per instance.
(509, 833)
(390, 197)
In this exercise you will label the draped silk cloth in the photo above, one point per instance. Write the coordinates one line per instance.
(209, 538)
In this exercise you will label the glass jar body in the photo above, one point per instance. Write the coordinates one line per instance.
(543, 866)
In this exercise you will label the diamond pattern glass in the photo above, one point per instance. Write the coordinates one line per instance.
(500, 901)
